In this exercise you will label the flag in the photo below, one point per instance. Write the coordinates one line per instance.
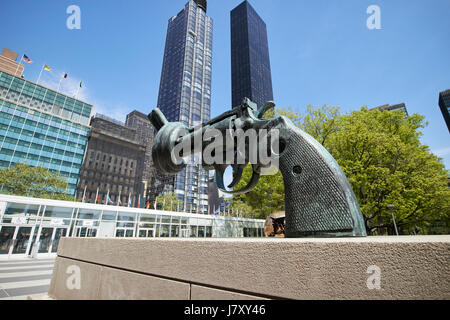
(139, 201)
(46, 67)
(65, 75)
(108, 199)
(98, 199)
(164, 204)
(80, 84)
(84, 195)
(148, 205)
(96, 196)
(129, 200)
(26, 59)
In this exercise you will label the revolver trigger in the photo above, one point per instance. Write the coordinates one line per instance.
(252, 183)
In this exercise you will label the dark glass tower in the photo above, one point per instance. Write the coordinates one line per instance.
(185, 92)
(444, 104)
(250, 63)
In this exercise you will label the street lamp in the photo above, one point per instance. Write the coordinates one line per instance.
(391, 207)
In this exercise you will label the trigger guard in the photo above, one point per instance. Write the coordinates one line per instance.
(250, 185)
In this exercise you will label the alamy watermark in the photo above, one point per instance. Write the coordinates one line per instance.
(73, 282)
(374, 20)
(74, 20)
(374, 280)
(216, 147)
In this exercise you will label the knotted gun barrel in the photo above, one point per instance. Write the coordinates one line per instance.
(319, 201)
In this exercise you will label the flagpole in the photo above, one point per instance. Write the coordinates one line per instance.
(40, 73)
(20, 63)
(78, 89)
(118, 200)
(59, 84)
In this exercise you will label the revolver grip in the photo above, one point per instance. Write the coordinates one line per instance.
(319, 199)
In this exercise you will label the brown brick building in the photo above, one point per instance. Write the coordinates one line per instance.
(9, 64)
(114, 162)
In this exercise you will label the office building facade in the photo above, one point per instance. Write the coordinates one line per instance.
(42, 127)
(185, 93)
(145, 133)
(444, 104)
(387, 107)
(9, 64)
(250, 63)
(113, 165)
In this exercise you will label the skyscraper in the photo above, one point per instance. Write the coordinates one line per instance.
(185, 91)
(250, 63)
(444, 104)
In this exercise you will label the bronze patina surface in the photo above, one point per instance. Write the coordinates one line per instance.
(319, 200)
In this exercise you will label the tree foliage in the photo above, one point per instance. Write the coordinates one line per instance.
(381, 154)
(237, 206)
(168, 202)
(25, 180)
(384, 161)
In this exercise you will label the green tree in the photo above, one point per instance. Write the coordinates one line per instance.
(241, 207)
(25, 180)
(168, 202)
(321, 122)
(385, 163)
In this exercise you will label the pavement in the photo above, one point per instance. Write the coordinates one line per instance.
(21, 278)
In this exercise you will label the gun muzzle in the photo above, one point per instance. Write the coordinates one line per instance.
(163, 155)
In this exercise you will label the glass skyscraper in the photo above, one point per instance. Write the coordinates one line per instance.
(40, 126)
(250, 64)
(444, 104)
(185, 91)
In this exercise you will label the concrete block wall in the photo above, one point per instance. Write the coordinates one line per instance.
(407, 267)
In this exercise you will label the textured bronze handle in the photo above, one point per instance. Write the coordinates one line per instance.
(319, 199)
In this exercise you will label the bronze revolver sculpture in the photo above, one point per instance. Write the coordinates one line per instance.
(319, 201)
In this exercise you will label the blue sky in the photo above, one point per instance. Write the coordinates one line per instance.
(321, 53)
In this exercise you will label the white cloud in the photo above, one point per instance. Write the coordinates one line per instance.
(69, 86)
(442, 152)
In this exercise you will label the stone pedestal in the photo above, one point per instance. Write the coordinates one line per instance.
(395, 267)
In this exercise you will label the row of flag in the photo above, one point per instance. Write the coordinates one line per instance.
(108, 201)
(46, 67)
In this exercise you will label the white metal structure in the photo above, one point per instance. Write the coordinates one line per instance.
(33, 226)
